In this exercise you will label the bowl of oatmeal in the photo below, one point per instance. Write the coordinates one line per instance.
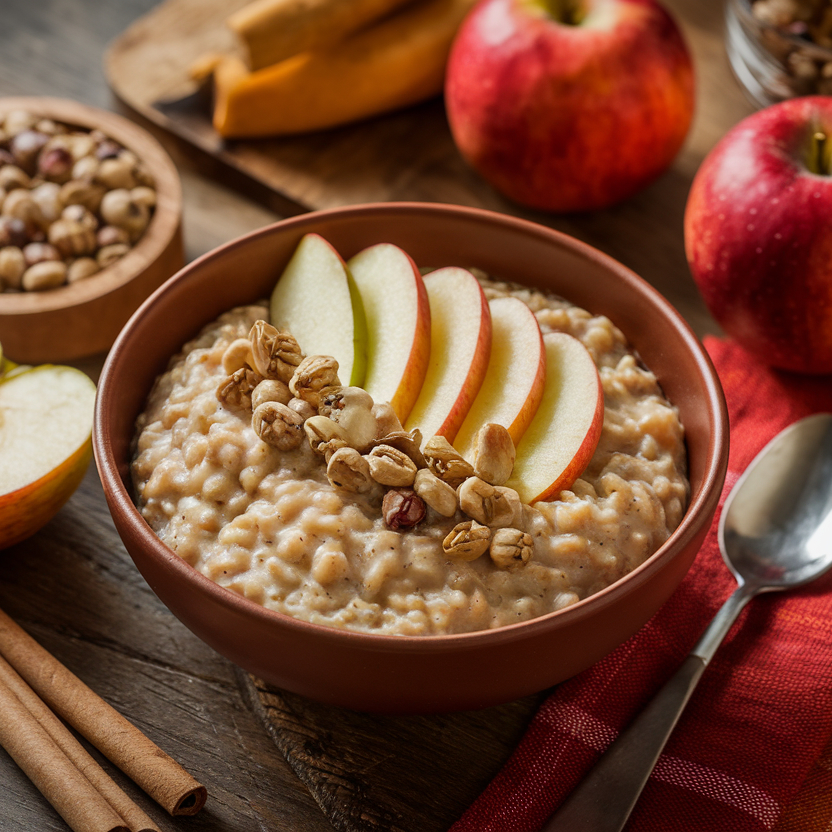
(265, 554)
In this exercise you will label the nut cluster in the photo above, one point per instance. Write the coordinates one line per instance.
(71, 202)
(289, 397)
(807, 69)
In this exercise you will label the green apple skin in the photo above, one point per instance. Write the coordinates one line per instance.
(316, 299)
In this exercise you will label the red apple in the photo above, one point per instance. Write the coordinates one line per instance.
(570, 105)
(758, 233)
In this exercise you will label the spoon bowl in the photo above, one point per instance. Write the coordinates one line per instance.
(776, 527)
(775, 533)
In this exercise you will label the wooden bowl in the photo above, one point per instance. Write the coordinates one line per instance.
(401, 673)
(83, 318)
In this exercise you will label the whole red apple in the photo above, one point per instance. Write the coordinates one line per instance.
(758, 233)
(569, 105)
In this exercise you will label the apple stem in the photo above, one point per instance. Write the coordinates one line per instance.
(820, 154)
(569, 12)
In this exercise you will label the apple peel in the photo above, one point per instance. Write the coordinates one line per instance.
(46, 417)
(317, 300)
(460, 349)
(515, 379)
(397, 312)
(563, 436)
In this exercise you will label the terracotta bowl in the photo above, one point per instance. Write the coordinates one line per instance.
(83, 318)
(395, 673)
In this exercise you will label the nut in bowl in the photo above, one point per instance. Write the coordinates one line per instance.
(780, 50)
(356, 663)
(90, 224)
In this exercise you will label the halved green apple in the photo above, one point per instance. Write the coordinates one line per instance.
(45, 428)
(317, 300)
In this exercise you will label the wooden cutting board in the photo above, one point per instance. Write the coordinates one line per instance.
(367, 772)
(410, 155)
(371, 773)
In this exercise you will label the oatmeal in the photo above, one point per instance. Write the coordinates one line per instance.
(312, 515)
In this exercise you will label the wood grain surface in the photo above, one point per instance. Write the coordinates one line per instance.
(73, 586)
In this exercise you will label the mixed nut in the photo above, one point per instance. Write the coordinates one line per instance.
(798, 33)
(72, 201)
(291, 398)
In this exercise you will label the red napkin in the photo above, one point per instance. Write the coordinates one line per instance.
(753, 749)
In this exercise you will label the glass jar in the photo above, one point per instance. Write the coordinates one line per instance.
(774, 62)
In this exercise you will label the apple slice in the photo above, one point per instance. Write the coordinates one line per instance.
(564, 433)
(460, 346)
(513, 385)
(45, 428)
(397, 310)
(317, 301)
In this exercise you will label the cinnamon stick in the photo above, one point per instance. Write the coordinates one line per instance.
(134, 818)
(57, 779)
(115, 737)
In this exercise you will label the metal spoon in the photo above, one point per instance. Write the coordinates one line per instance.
(775, 533)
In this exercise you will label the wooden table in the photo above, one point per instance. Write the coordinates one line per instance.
(75, 589)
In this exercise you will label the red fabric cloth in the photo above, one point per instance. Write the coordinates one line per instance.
(753, 749)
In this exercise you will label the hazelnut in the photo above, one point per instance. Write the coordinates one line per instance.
(118, 208)
(402, 508)
(47, 196)
(55, 164)
(109, 235)
(13, 232)
(106, 149)
(143, 176)
(78, 213)
(144, 195)
(45, 275)
(40, 252)
(116, 173)
(20, 205)
(12, 266)
(11, 177)
(71, 238)
(79, 145)
(51, 128)
(17, 121)
(81, 192)
(25, 147)
(6, 158)
(85, 168)
(109, 254)
(81, 269)
(269, 390)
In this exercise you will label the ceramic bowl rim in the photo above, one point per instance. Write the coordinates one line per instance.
(701, 504)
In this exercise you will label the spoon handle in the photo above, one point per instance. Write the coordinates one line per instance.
(603, 800)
